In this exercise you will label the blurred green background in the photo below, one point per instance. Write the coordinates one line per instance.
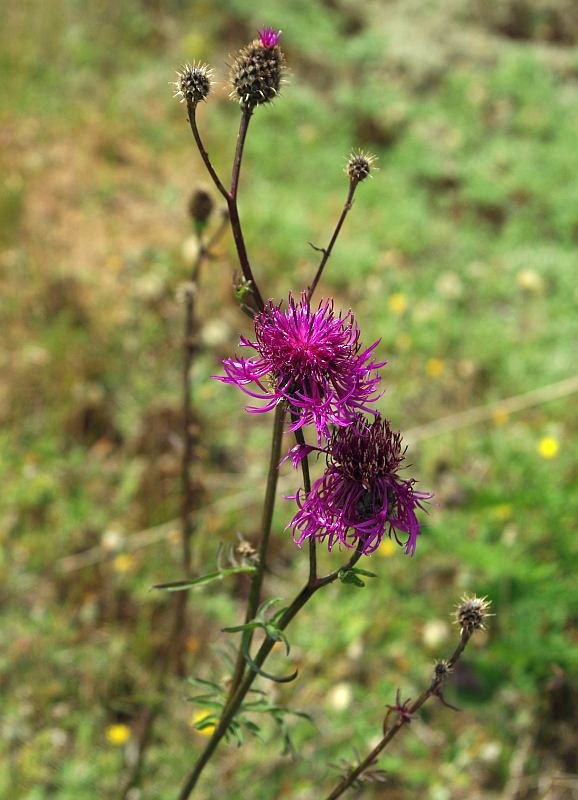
(460, 254)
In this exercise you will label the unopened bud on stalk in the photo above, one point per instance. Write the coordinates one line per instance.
(359, 166)
(257, 71)
(472, 613)
(193, 82)
(441, 669)
(200, 208)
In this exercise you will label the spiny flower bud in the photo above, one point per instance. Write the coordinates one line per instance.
(257, 70)
(200, 207)
(441, 669)
(193, 82)
(359, 165)
(471, 614)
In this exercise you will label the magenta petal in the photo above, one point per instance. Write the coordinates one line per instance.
(361, 497)
(311, 359)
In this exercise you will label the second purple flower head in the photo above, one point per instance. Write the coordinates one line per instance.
(362, 496)
(312, 360)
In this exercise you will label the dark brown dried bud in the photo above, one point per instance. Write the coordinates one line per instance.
(193, 82)
(472, 613)
(200, 207)
(256, 74)
(441, 669)
(359, 166)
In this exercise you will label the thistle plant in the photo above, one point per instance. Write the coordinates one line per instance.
(308, 368)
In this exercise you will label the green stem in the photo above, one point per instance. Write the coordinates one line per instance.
(230, 196)
(266, 520)
(300, 439)
(327, 251)
(403, 720)
(235, 701)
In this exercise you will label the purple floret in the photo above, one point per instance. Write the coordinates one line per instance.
(268, 37)
(312, 360)
(361, 497)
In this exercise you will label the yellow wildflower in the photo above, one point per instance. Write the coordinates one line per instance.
(499, 417)
(397, 303)
(198, 718)
(435, 367)
(548, 447)
(118, 734)
(123, 562)
(387, 548)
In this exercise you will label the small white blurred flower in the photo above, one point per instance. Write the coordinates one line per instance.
(112, 539)
(340, 696)
(435, 633)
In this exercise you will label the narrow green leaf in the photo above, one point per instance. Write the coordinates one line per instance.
(277, 615)
(258, 670)
(350, 577)
(205, 702)
(365, 572)
(204, 682)
(273, 633)
(248, 626)
(277, 635)
(180, 586)
(199, 698)
(266, 606)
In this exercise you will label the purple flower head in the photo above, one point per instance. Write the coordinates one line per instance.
(312, 360)
(361, 497)
(268, 37)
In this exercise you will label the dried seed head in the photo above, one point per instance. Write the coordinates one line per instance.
(441, 669)
(257, 71)
(193, 82)
(472, 613)
(247, 553)
(359, 165)
(200, 207)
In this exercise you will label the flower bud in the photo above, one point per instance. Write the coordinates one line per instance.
(471, 614)
(441, 670)
(200, 207)
(193, 82)
(257, 70)
(359, 166)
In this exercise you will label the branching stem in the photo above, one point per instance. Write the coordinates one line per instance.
(433, 690)
(235, 702)
(327, 251)
(267, 517)
(231, 195)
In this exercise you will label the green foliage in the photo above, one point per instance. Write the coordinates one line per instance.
(352, 574)
(202, 580)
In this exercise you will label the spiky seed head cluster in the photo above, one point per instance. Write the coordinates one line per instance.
(471, 614)
(359, 165)
(193, 82)
(257, 70)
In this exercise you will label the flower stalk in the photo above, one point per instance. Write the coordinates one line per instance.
(309, 366)
(172, 653)
(476, 610)
(230, 196)
(300, 600)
